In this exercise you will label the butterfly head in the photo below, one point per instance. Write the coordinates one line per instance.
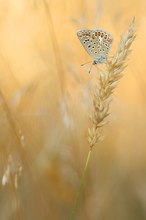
(100, 60)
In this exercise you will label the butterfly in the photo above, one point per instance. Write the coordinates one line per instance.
(97, 43)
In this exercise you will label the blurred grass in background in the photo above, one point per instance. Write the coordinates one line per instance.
(45, 102)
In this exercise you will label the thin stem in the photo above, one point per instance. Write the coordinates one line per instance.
(74, 209)
(18, 214)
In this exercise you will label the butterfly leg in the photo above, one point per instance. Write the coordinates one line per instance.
(90, 68)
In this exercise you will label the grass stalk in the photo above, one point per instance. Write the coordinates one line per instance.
(108, 81)
(77, 200)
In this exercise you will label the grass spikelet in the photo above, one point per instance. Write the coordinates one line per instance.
(107, 83)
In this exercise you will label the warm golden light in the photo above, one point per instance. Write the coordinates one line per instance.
(45, 104)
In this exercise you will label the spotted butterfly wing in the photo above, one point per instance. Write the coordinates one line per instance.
(97, 43)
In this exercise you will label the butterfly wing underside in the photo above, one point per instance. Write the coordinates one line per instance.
(96, 42)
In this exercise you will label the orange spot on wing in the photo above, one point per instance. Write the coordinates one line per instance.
(109, 40)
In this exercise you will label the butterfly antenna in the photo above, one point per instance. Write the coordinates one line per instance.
(85, 63)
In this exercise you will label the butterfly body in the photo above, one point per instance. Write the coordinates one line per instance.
(97, 43)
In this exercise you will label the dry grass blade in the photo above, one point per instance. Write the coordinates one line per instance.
(107, 83)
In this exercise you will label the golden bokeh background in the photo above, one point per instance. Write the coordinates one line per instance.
(45, 103)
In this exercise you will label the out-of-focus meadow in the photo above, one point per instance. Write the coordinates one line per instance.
(45, 103)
